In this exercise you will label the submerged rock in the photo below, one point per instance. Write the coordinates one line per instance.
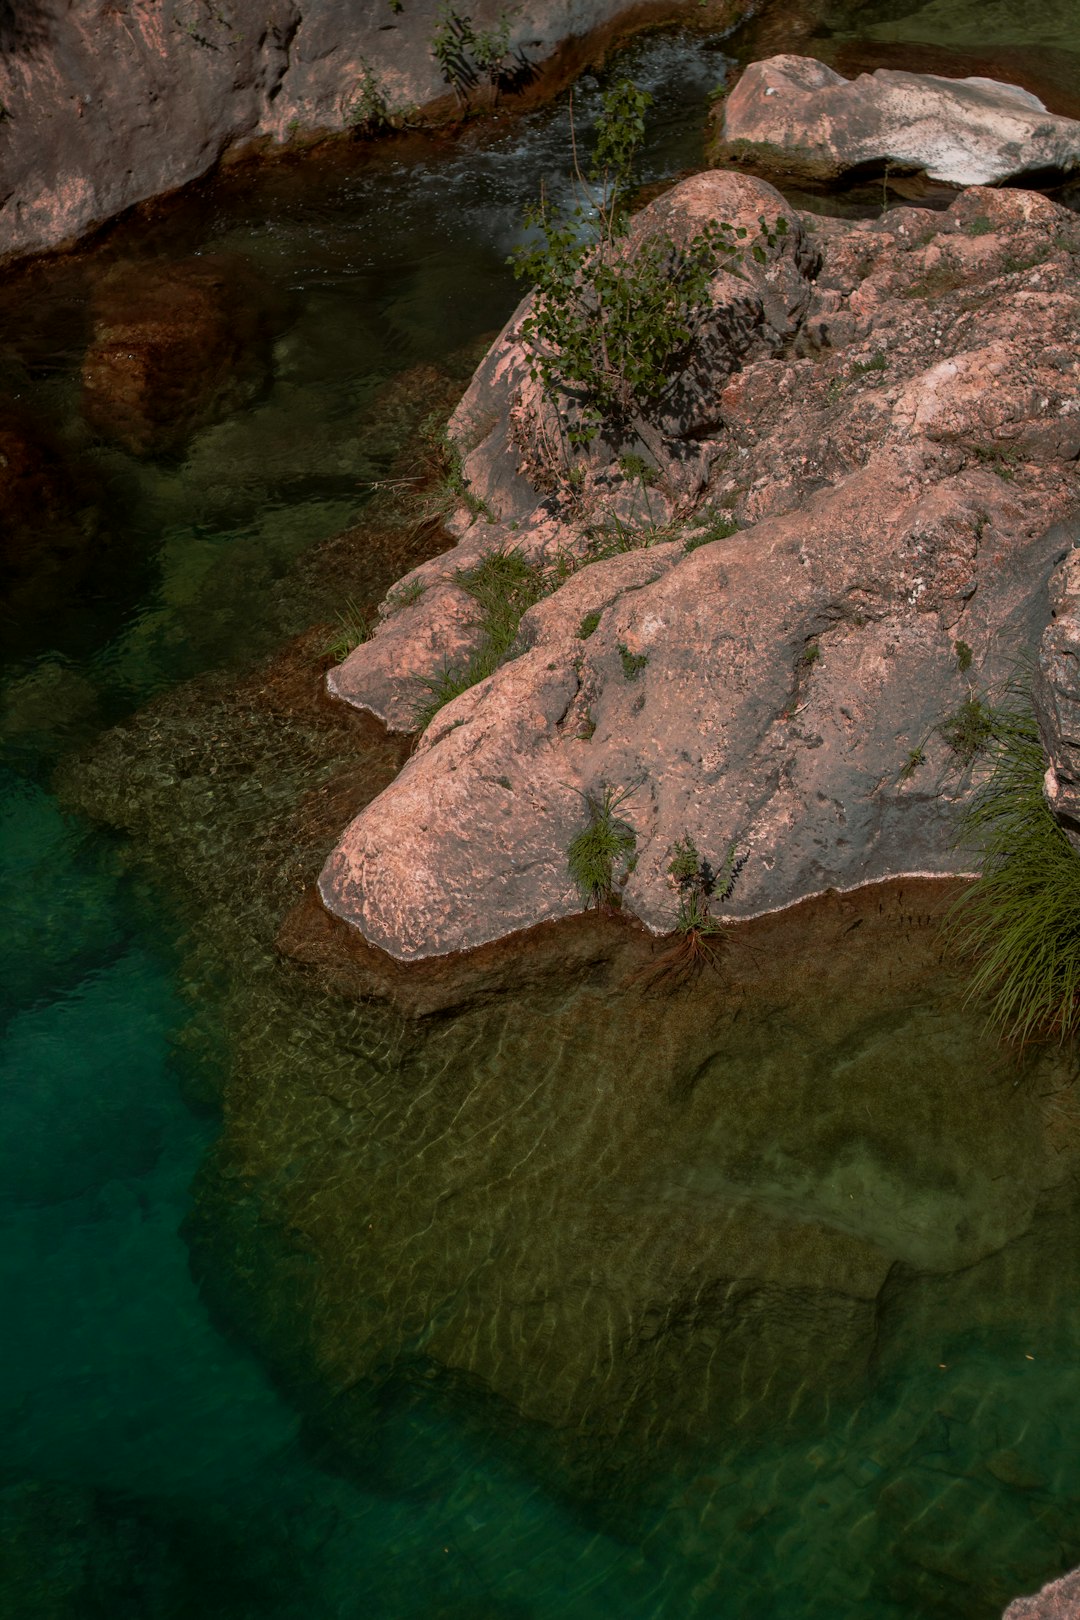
(49, 517)
(795, 115)
(176, 346)
(891, 423)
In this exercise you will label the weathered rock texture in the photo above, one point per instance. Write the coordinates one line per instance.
(1057, 694)
(897, 434)
(1059, 1600)
(794, 114)
(109, 102)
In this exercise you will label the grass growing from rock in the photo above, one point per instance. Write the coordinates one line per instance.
(605, 844)
(353, 628)
(713, 525)
(506, 585)
(1021, 920)
(970, 729)
(632, 663)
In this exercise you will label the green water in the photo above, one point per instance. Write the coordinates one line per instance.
(453, 1324)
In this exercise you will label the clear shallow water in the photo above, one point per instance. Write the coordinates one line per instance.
(152, 1465)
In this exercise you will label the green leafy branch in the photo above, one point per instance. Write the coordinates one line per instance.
(613, 322)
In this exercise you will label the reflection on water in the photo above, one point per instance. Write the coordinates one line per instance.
(754, 1296)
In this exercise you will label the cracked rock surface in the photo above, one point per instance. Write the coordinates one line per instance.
(899, 448)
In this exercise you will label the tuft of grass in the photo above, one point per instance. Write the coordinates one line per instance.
(632, 663)
(588, 625)
(876, 362)
(353, 628)
(970, 729)
(964, 655)
(714, 525)
(810, 654)
(911, 764)
(632, 466)
(506, 585)
(403, 595)
(450, 487)
(979, 226)
(936, 283)
(614, 537)
(1014, 264)
(1001, 457)
(1020, 920)
(599, 855)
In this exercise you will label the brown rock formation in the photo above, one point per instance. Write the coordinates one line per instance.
(897, 435)
(175, 347)
(795, 115)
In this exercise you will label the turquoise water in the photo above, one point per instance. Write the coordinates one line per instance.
(915, 1458)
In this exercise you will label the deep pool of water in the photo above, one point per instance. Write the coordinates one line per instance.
(152, 1465)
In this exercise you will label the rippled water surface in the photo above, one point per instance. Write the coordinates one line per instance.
(758, 1296)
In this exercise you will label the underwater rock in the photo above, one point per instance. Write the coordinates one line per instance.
(895, 441)
(795, 115)
(176, 346)
(48, 522)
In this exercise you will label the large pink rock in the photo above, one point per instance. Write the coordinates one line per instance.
(795, 114)
(904, 471)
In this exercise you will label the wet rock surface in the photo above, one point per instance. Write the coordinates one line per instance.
(798, 116)
(894, 426)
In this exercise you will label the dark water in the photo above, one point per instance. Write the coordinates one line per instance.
(881, 1422)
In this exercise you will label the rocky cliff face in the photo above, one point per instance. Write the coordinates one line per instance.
(891, 418)
(105, 103)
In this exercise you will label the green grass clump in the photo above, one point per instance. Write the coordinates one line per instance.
(633, 466)
(964, 656)
(353, 628)
(970, 729)
(714, 526)
(607, 842)
(936, 283)
(588, 625)
(632, 663)
(506, 586)
(1020, 920)
(911, 764)
(404, 595)
(876, 362)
